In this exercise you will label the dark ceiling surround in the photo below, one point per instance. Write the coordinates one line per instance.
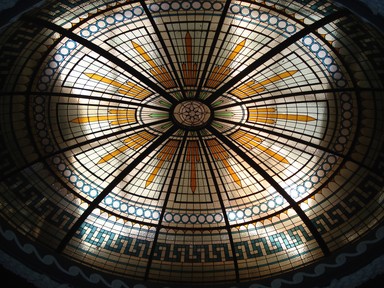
(192, 143)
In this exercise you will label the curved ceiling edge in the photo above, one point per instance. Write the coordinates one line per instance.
(193, 142)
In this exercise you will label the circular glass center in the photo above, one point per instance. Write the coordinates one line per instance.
(192, 113)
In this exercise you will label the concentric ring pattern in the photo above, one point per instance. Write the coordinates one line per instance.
(192, 141)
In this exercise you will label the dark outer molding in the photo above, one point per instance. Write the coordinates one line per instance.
(361, 263)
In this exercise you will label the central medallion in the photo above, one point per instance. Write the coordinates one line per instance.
(192, 114)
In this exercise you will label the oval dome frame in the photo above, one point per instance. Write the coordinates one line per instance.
(194, 143)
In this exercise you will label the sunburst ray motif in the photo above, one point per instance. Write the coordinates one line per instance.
(193, 156)
(114, 116)
(189, 68)
(270, 116)
(129, 89)
(251, 141)
(159, 72)
(220, 73)
(118, 117)
(252, 87)
(134, 142)
(165, 154)
(220, 154)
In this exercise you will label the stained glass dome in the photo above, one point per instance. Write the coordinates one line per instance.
(190, 142)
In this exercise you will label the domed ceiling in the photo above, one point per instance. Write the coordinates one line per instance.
(191, 141)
